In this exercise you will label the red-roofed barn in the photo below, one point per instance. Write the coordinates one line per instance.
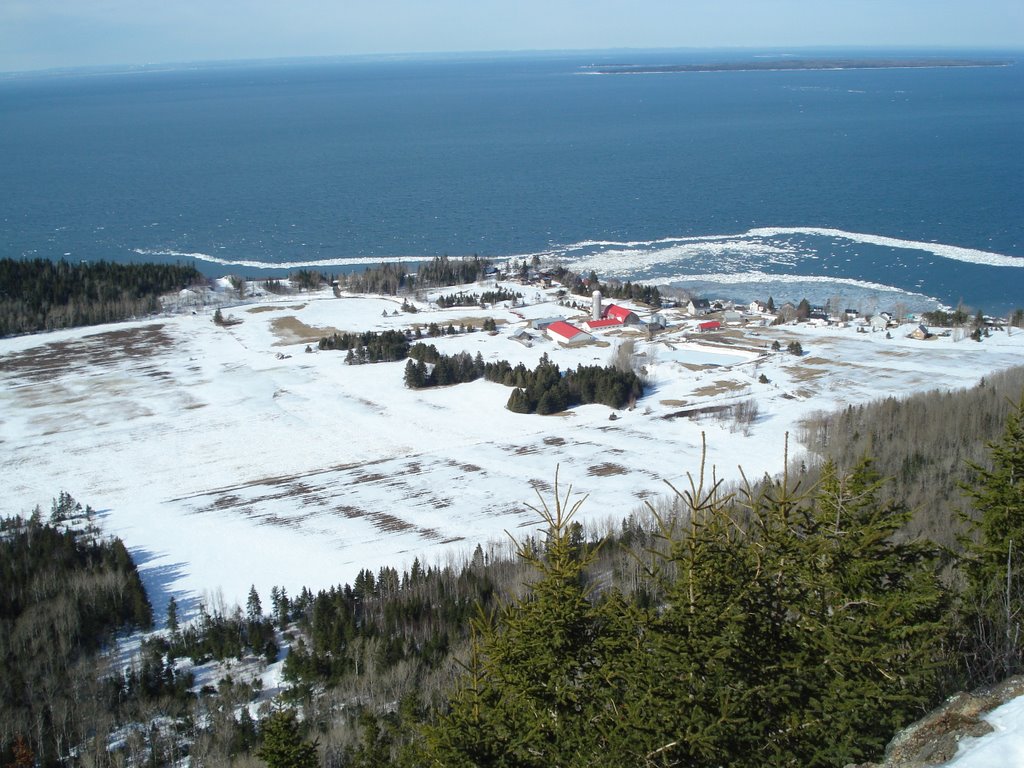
(623, 315)
(563, 333)
(608, 322)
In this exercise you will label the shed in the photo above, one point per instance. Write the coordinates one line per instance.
(879, 322)
(710, 325)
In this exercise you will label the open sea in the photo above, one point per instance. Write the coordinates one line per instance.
(876, 186)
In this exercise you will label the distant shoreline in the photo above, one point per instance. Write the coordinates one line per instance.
(789, 65)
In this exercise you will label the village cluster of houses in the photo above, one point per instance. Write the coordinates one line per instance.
(711, 316)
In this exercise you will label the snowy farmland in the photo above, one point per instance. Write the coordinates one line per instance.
(230, 456)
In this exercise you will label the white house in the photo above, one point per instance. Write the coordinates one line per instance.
(698, 307)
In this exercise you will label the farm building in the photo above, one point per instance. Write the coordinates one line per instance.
(710, 325)
(623, 315)
(608, 322)
(541, 323)
(563, 333)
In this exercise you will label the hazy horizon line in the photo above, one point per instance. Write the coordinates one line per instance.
(165, 66)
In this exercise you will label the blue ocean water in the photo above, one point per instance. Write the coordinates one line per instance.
(879, 184)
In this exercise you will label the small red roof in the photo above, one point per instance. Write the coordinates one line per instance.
(563, 329)
(608, 321)
(710, 325)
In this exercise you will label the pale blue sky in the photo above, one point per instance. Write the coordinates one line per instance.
(37, 34)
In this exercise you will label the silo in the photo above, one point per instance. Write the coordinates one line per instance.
(595, 307)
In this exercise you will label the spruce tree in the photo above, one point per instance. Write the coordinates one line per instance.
(993, 601)
(536, 691)
(283, 745)
(876, 618)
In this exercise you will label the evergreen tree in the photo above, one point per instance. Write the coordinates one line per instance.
(283, 745)
(994, 597)
(536, 692)
(172, 615)
(803, 309)
(253, 606)
(876, 618)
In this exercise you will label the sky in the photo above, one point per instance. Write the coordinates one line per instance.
(42, 34)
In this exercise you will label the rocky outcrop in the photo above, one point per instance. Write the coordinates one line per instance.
(934, 740)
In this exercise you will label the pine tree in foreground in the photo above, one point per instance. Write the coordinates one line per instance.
(536, 691)
(993, 600)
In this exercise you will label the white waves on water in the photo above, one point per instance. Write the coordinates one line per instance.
(278, 265)
(766, 278)
(648, 259)
(955, 252)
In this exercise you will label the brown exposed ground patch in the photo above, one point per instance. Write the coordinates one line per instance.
(541, 486)
(673, 403)
(388, 523)
(554, 441)
(139, 345)
(607, 469)
(804, 374)
(719, 387)
(264, 308)
(696, 412)
(291, 330)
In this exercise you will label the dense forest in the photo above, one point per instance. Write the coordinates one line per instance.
(800, 620)
(926, 445)
(65, 592)
(41, 295)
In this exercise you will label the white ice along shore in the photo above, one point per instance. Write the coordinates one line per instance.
(229, 456)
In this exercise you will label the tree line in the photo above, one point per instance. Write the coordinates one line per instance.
(392, 278)
(369, 346)
(613, 289)
(544, 390)
(41, 295)
(463, 299)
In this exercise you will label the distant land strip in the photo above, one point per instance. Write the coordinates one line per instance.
(792, 64)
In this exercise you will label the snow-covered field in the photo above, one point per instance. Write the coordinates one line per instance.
(228, 456)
